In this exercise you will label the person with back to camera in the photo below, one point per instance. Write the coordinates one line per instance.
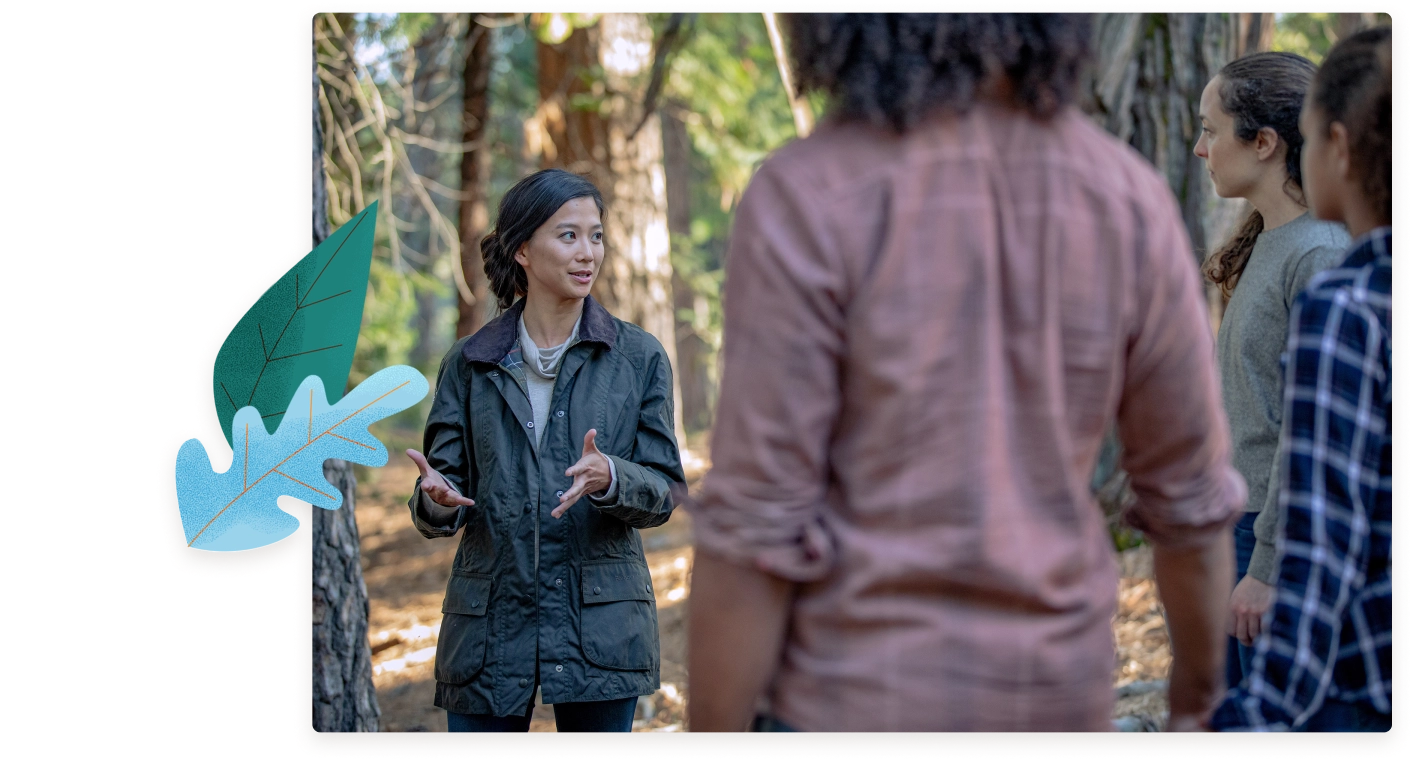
(1323, 658)
(935, 306)
(1251, 143)
(549, 443)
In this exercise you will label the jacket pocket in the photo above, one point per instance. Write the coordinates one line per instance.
(619, 616)
(460, 648)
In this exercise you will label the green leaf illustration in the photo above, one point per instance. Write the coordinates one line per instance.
(305, 324)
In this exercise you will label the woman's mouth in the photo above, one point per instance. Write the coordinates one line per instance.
(582, 277)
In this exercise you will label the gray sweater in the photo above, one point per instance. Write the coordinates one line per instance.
(1249, 345)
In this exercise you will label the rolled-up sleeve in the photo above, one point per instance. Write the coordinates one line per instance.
(762, 502)
(1176, 442)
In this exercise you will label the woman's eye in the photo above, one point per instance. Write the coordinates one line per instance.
(567, 236)
(598, 237)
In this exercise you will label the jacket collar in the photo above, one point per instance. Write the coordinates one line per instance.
(499, 336)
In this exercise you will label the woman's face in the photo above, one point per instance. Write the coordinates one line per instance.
(563, 256)
(1235, 166)
(1320, 165)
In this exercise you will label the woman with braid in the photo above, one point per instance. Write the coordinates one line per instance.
(1251, 143)
(1323, 660)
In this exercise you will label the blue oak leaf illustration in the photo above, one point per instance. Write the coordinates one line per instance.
(237, 509)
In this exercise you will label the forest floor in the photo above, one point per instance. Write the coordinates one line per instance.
(406, 576)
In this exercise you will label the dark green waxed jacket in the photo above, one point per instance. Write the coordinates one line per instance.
(570, 597)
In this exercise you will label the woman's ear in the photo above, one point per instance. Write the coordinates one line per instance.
(1338, 150)
(1267, 143)
(522, 255)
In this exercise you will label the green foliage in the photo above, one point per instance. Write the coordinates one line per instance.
(1307, 34)
(305, 324)
(724, 85)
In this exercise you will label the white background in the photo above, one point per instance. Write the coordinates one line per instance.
(155, 181)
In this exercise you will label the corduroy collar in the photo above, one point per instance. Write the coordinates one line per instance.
(498, 337)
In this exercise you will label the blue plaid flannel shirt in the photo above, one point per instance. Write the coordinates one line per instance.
(1329, 634)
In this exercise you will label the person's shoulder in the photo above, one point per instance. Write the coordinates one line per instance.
(636, 343)
(1118, 165)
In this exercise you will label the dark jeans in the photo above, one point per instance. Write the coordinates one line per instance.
(588, 716)
(1237, 655)
(1337, 716)
(764, 723)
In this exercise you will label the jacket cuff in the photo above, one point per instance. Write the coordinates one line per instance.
(434, 519)
(611, 493)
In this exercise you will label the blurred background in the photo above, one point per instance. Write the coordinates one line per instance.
(437, 115)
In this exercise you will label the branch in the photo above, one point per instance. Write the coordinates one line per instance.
(671, 36)
(803, 117)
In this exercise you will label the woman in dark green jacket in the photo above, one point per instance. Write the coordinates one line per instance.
(549, 443)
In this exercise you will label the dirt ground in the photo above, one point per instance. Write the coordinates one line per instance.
(406, 577)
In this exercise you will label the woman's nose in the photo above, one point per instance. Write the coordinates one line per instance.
(1200, 148)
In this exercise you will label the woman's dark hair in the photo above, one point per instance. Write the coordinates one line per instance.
(1261, 90)
(526, 206)
(1354, 88)
(893, 68)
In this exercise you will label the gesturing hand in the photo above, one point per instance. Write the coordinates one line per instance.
(591, 474)
(1249, 602)
(436, 486)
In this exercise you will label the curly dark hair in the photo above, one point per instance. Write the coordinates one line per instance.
(523, 208)
(1258, 91)
(891, 69)
(1354, 88)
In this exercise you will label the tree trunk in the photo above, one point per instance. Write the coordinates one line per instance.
(1346, 24)
(475, 177)
(344, 699)
(693, 353)
(1257, 32)
(1146, 90)
(636, 280)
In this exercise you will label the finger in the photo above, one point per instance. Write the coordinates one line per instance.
(461, 501)
(571, 496)
(1243, 630)
(589, 447)
(419, 460)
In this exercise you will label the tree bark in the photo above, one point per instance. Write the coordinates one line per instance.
(636, 280)
(1257, 32)
(475, 177)
(693, 353)
(1346, 24)
(344, 698)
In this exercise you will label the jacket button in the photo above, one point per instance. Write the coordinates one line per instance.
(558, 582)
(530, 424)
(559, 493)
(494, 374)
(524, 682)
(475, 603)
(598, 590)
(559, 668)
(560, 413)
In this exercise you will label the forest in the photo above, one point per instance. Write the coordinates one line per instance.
(436, 115)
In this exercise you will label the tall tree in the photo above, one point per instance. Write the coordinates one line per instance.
(693, 353)
(475, 176)
(596, 127)
(344, 698)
